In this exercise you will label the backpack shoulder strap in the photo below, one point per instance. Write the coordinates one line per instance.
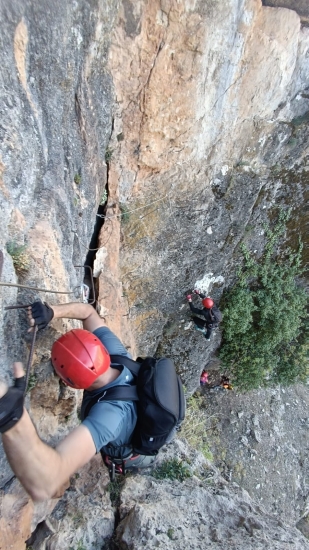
(133, 366)
(117, 393)
(121, 393)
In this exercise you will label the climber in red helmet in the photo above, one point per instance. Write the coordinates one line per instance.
(81, 358)
(210, 313)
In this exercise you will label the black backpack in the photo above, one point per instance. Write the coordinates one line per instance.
(160, 401)
(216, 314)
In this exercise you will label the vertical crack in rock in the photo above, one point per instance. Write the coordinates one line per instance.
(143, 91)
(93, 247)
(99, 222)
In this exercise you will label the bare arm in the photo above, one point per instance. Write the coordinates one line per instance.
(41, 469)
(75, 310)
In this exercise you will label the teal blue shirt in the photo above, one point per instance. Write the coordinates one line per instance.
(111, 423)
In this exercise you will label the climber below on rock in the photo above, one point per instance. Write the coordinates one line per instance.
(212, 316)
(81, 358)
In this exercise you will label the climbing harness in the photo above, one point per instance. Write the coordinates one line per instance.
(114, 466)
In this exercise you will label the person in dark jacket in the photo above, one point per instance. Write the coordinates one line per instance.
(211, 317)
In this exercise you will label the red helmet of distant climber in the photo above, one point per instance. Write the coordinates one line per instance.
(79, 358)
(208, 303)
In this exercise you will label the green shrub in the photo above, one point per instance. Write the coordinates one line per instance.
(172, 469)
(19, 256)
(265, 319)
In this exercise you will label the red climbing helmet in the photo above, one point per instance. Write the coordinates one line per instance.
(208, 303)
(79, 358)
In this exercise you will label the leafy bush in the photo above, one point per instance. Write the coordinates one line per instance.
(19, 256)
(172, 469)
(265, 319)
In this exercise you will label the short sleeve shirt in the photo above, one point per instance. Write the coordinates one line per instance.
(111, 423)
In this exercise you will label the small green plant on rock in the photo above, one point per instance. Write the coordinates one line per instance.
(19, 256)
(32, 381)
(108, 155)
(193, 428)
(76, 200)
(103, 198)
(114, 489)
(125, 213)
(77, 179)
(80, 546)
(265, 319)
(172, 469)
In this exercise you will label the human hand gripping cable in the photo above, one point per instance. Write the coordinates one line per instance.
(12, 399)
(39, 314)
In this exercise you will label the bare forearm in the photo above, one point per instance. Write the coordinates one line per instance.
(41, 469)
(74, 310)
(37, 466)
(83, 312)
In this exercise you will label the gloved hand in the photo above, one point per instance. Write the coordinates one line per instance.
(42, 314)
(12, 404)
(189, 298)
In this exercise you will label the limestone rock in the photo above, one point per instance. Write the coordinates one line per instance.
(83, 517)
(196, 514)
(193, 116)
(19, 516)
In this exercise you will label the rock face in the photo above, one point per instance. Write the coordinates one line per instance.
(171, 515)
(300, 6)
(56, 118)
(212, 102)
(189, 121)
(204, 510)
(264, 448)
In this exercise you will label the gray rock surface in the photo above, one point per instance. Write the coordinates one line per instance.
(197, 513)
(260, 441)
(55, 106)
(194, 116)
(300, 6)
